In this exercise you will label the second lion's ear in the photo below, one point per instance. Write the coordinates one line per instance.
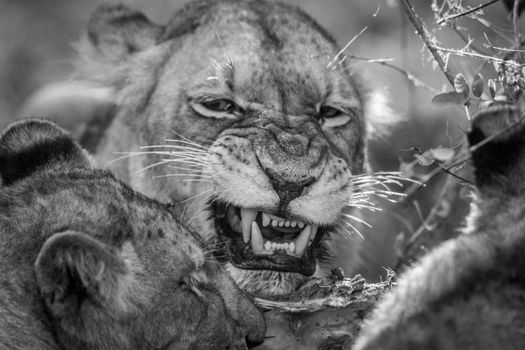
(118, 31)
(32, 145)
(75, 271)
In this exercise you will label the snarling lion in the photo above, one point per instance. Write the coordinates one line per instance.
(245, 115)
(88, 263)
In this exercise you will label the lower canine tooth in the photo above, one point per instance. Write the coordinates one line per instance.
(302, 240)
(257, 240)
(291, 247)
(268, 245)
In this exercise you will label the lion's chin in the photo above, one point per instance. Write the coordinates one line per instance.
(266, 283)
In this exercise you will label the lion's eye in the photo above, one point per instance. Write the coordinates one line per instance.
(331, 117)
(221, 108)
(222, 105)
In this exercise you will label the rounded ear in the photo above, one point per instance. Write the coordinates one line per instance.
(117, 31)
(31, 145)
(73, 268)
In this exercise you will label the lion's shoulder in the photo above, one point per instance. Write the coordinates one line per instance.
(469, 292)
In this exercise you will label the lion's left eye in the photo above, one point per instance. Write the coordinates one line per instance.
(219, 108)
(221, 105)
(330, 117)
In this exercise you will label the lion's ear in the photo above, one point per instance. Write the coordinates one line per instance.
(31, 145)
(117, 31)
(74, 270)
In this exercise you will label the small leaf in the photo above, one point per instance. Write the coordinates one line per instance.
(407, 170)
(492, 88)
(460, 85)
(451, 97)
(477, 85)
(443, 209)
(425, 158)
(442, 153)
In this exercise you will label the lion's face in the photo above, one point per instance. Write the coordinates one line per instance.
(251, 119)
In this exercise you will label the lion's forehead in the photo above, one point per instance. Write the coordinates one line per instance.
(282, 61)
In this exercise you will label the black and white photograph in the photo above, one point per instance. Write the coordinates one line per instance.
(262, 174)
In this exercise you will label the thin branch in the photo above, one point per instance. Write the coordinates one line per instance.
(477, 55)
(409, 76)
(423, 34)
(467, 12)
(515, 24)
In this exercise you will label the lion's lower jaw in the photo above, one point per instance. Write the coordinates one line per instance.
(265, 282)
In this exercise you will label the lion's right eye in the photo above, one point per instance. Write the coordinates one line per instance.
(220, 108)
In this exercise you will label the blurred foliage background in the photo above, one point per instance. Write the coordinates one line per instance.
(36, 49)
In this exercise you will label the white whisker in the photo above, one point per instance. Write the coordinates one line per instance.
(355, 218)
(149, 167)
(187, 143)
(178, 147)
(354, 228)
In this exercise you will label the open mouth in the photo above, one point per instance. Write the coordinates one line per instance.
(258, 240)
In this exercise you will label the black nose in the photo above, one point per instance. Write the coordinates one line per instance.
(286, 190)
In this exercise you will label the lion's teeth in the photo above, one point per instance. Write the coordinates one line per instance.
(302, 240)
(265, 220)
(257, 239)
(247, 217)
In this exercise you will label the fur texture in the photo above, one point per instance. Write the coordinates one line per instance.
(87, 263)
(278, 70)
(469, 293)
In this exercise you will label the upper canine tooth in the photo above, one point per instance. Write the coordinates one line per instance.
(302, 240)
(247, 217)
(265, 220)
(257, 239)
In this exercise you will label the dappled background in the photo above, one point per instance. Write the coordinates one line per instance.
(36, 49)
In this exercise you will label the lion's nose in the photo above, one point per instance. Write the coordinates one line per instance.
(288, 191)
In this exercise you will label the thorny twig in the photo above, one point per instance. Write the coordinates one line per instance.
(418, 24)
(467, 12)
(477, 55)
